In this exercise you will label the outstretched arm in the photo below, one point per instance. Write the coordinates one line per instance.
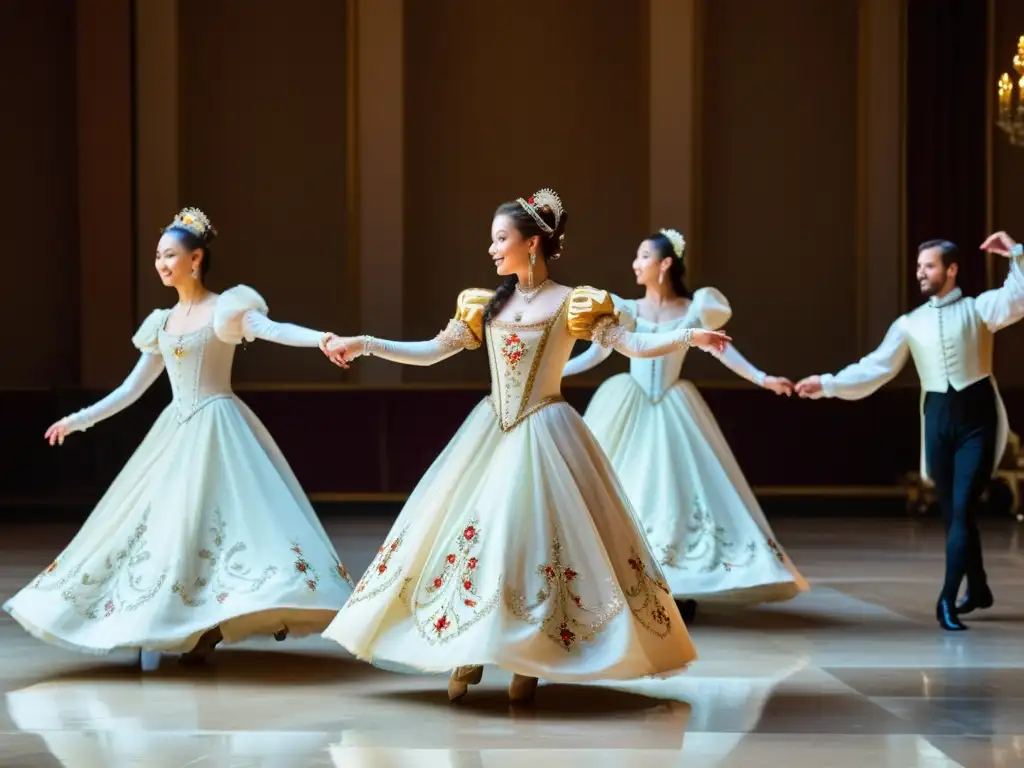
(738, 364)
(452, 340)
(592, 315)
(464, 331)
(608, 332)
(256, 325)
(591, 357)
(146, 371)
(1004, 305)
(867, 375)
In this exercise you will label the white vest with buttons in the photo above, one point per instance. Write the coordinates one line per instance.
(950, 343)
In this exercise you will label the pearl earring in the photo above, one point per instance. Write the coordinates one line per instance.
(533, 258)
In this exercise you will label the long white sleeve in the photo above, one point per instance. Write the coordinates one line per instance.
(591, 357)
(256, 325)
(738, 364)
(867, 375)
(421, 353)
(146, 371)
(1004, 305)
(633, 344)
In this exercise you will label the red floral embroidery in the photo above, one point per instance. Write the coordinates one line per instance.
(512, 349)
(108, 608)
(567, 636)
(303, 568)
(453, 585)
(342, 571)
(380, 564)
(222, 597)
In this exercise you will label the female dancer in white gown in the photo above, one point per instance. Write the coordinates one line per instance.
(205, 535)
(518, 547)
(710, 535)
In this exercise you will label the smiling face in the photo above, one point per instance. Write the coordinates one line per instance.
(174, 262)
(509, 250)
(649, 264)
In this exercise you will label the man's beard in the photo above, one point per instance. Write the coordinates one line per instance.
(931, 289)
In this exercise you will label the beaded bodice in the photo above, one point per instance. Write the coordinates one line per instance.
(526, 364)
(199, 368)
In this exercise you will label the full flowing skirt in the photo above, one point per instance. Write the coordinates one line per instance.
(205, 526)
(517, 549)
(702, 520)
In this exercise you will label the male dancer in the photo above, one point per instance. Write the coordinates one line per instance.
(964, 422)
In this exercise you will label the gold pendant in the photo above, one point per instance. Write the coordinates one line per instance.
(178, 351)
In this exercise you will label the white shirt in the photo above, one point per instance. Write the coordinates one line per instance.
(950, 340)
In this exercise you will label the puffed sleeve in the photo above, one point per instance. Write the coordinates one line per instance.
(469, 310)
(711, 307)
(590, 310)
(230, 311)
(147, 338)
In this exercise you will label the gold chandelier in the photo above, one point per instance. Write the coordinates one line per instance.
(1010, 119)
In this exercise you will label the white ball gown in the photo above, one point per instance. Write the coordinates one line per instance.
(712, 540)
(518, 547)
(206, 526)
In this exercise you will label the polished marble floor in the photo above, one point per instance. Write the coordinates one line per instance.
(854, 673)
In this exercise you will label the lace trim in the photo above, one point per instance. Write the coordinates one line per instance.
(607, 331)
(457, 335)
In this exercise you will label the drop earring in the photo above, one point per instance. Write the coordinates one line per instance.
(661, 278)
(533, 259)
(195, 274)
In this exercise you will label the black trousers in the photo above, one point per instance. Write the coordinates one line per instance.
(960, 443)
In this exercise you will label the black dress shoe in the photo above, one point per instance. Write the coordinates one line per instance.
(945, 612)
(973, 601)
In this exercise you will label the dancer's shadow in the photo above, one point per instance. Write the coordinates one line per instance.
(552, 701)
(228, 665)
(779, 620)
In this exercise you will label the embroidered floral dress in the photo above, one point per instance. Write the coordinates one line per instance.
(701, 517)
(518, 547)
(205, 526)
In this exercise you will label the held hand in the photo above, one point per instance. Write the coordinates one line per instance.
(999, 242)
(57, 432)
(809, 387)
(326, 339)
(780, 385)
(343, 350)
(713, 342)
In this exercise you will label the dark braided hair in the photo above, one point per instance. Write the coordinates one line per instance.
(677, 272)
(550, 247)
